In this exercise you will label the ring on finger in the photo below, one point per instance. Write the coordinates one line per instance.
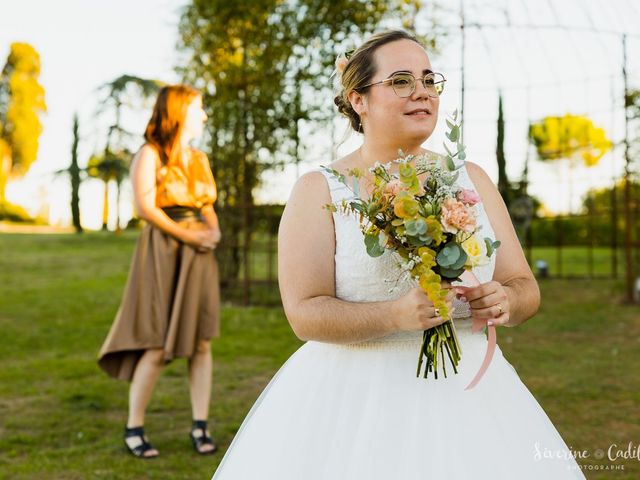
(436, 312)
(500, 308)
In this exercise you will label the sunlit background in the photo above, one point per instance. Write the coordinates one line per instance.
(557, 65)
(547, 58)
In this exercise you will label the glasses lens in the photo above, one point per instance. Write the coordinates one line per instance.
(434, 83)
(403, 84)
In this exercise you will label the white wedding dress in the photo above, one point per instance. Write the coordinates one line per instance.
(351, 412)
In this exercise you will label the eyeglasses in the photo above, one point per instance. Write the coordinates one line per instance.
(404, 84)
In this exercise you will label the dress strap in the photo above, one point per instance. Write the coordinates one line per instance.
(339, 191)
(464, 180)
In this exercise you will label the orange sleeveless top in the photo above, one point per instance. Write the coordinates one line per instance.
(190, 187)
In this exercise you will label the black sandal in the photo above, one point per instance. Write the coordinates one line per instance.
(143, 447)
(199, 441)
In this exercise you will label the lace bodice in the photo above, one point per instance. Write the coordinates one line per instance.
(361, 278)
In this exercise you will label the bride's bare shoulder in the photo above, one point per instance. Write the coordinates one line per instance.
(479, 176)
(313, 185)
(491, 198)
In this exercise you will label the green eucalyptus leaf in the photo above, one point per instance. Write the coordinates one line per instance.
(372, 242)
(448, 180)
(450, 273)
(449, 152)
(426, 239)
(416, 241)
(489, 243)
(450, 164)
(416, 227)
(461, 260)
(448, 255)
(455, 134)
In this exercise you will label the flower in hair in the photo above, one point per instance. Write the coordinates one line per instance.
(341, 62)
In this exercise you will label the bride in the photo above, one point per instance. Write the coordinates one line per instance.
(347, 404)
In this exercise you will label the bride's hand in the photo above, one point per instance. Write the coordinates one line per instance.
(416, 312)
(488, 301)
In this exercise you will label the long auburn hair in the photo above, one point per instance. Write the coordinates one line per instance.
(167, 120)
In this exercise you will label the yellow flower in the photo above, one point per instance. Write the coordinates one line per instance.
(435, 229)
(427, 257)
(476, 249)
(404, 206)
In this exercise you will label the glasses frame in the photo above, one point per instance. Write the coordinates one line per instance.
(415, 82)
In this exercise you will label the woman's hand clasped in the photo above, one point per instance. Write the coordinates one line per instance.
(416, 312)
(488, 301)
(202, 240)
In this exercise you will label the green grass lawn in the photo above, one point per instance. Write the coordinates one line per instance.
(573, 261)
(62, 418)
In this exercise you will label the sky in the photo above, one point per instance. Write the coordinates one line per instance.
(543, 55)
(84, 44)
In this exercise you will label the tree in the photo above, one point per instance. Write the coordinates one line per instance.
(632, 103)
(503, 181)
(600, 204)
(569, 138)
(264, 68)
(22, 101)
(602, 200)
(126, 91)
(74, 177)
(110, 166)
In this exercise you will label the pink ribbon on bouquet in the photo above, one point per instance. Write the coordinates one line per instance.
(477, 325)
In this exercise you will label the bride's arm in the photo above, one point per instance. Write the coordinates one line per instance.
(306, 274)
(521, 295)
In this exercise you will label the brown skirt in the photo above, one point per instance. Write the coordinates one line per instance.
(171, 301)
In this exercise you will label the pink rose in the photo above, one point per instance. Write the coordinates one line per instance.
(456, 216)
(468, 197)
(393, 187)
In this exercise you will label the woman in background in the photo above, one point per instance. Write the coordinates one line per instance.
(170, 306)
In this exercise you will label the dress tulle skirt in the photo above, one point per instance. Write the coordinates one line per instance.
(338, 412)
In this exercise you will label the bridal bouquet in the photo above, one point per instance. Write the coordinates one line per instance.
(430, 224)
